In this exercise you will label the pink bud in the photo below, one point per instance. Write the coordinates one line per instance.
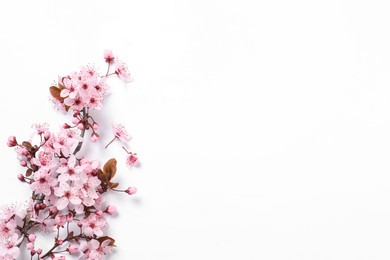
(65, 126)
(108, 56)
(39, 251)
(60, 220)
(59, 242)
(94, 137)
(76, 113)
(46, 135)
(30, 245)
(80, 126)
(53, 210)
(111, 209)
(69, 217)
(79, 224)
(131, 190)
(99, 212)
(95, 126)
(31, 237)
(33, 252)
(23, 163)
(12, 141)
(72, 249)
(21, 177)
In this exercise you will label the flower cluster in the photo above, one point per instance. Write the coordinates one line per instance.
(67, 189)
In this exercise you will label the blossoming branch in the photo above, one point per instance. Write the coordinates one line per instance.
(67, 199)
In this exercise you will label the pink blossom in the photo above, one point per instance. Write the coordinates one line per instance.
(69, 171)
(9, 246)
(66, 194)
(93, 250)
(131, 159)
(120, 132)
(43, 181)
(12, 141)
(93, 224)
(111, 210)
(94, 137)
(72, 249)
(108, 56)
(131, 190)
(122, 71)
(46, 223)
(89, 185)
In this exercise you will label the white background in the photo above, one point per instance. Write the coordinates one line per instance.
(263, 127)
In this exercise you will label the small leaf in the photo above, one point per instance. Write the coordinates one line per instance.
(28, 172)
(101, 176)
(114, 185)
(55, 92)
(104, 238)
(109, 169)
(27, 145)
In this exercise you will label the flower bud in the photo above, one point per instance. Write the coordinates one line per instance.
(95, 126)
(111, 209)
(30, 245)
(94, 137)
(80, 126)
(72, 249)
(65, 126)
(12, 141)
(21, 177)
(39, 251)
(53, 210)
(131, 190)
(32, 237)
(46, 135)
(23, 163)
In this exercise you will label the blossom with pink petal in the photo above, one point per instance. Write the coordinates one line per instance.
(122, 71)
(108, 56)
(66, 194)
(43, 181)
(120, 132)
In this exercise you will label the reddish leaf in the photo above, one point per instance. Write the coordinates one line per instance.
(28, 145)
(114, 185)
(28, 172)
(55, 92)
(104, 238)
(109, 169)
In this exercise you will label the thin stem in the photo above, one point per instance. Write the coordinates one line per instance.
(108, 69)
(110, 142)
(125, 150)
(85, 116)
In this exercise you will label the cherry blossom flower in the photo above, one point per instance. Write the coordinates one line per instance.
(69, 171)
(43, 181)
(120, 132)
(9, 247)
(108, 56)
(93, 224)
(66, 194)
(131, 159)
(122, 71)
(93, 250)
